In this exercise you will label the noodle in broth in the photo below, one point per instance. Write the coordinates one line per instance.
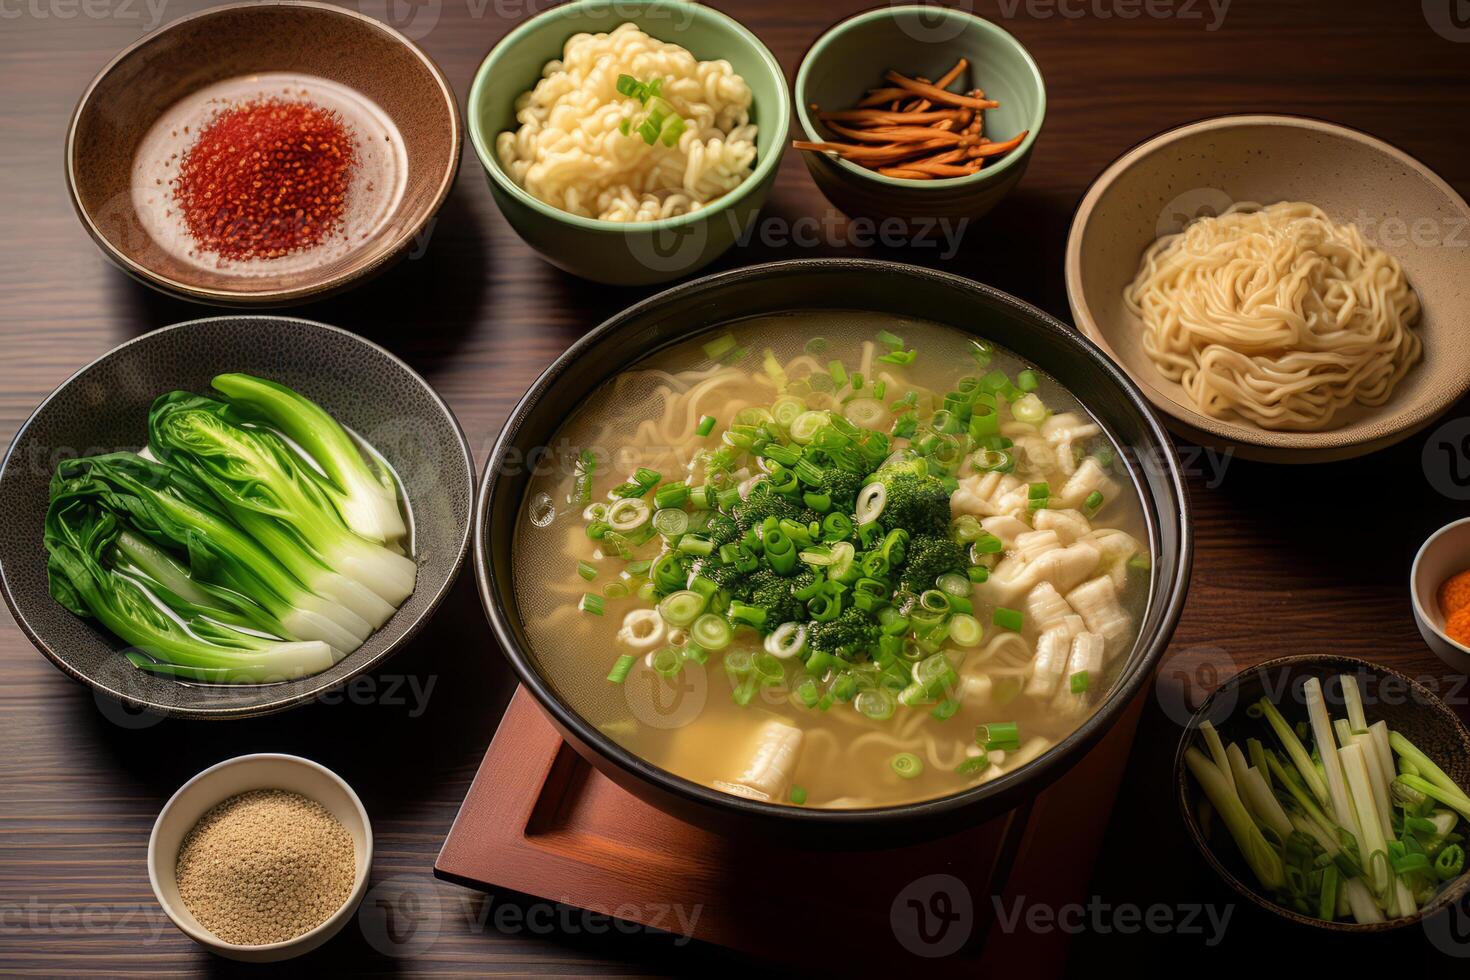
(1065, 566)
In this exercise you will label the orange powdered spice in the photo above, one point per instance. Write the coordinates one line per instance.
(1454, 593)
(1457, 626)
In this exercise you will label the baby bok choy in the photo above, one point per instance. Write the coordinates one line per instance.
(363, 494)
(228, 550)
(270, 491)
(175, 624)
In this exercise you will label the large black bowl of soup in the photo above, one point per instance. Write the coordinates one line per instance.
(844, 551)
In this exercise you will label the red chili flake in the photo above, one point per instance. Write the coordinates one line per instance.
(266, 178)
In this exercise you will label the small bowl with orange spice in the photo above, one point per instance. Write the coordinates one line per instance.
(1439, 587)
(917, 112)
(263, 154)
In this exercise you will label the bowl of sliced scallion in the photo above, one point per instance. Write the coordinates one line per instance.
(1330, 791)
(227, 517)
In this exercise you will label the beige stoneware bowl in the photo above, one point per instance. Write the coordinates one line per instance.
(341, 46)
(230, 778)
(1203, 168)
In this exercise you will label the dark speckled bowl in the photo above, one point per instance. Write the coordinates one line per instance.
(104, 407)
(1388, 696)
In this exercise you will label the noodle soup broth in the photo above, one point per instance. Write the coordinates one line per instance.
(952, 680)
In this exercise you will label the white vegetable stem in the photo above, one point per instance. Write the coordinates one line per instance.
(1353, 701)
(1342, 806)
(1258, 853)
(1217, 753)
(1372, 846)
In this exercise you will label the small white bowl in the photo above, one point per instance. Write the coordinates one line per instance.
(1447, 552)
(230, 778)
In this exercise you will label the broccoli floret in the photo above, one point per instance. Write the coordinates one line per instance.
(725, 576)
(928, 557)
(842, 486)
(722, 530)
(850, 635)
(762, 502)
(773, 593)
(918, 504)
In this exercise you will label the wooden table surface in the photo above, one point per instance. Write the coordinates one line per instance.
(1289, 559)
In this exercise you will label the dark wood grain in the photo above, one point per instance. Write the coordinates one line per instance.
(1289, 559)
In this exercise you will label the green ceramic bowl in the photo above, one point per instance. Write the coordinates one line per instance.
(920, 40)
(613, 252)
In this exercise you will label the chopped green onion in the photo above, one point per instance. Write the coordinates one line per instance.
(972, 765)
(681, 608)
(988, 544)
(587, 570)
(1026, 380)
(890, 340)
(902, 357)
(838, 372)
(876, 704)
(667, 661)
(1079, 682)
(1029, 409)
(706, 425)
(907, 765)
(671, 522)
(965, 630)
(693, 544)
(871, 500)
(671, 495)
(1094, 502)
(719, 347)
(798, 795)
(711, 632)
(945, 710)
(591, 604)
(619, 672)
(978, 574)
(1002, 735)
(1008, 619)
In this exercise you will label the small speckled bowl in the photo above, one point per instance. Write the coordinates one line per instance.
(1446, 552)
(104, 408)
(1201, 169)
(241, 775)
(238, 40)
(641, 252)
(919, 40)
(1388, 695)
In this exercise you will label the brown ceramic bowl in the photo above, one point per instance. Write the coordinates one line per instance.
(1388, 695)
(1204, 167)
(315, 39)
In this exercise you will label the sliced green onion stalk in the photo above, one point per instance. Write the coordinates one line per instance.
(907, 765)
(1295, 750)
(786, 641)
(711, 632)
(1258, 853)
(621, 668)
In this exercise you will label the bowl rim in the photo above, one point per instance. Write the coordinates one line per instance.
(985, 174)
(281, 704)
(1256, 441)
(1420, 613)
(765, 163)
(1450, 893)
(1041, 770)
(275, 297)
(329, 925)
